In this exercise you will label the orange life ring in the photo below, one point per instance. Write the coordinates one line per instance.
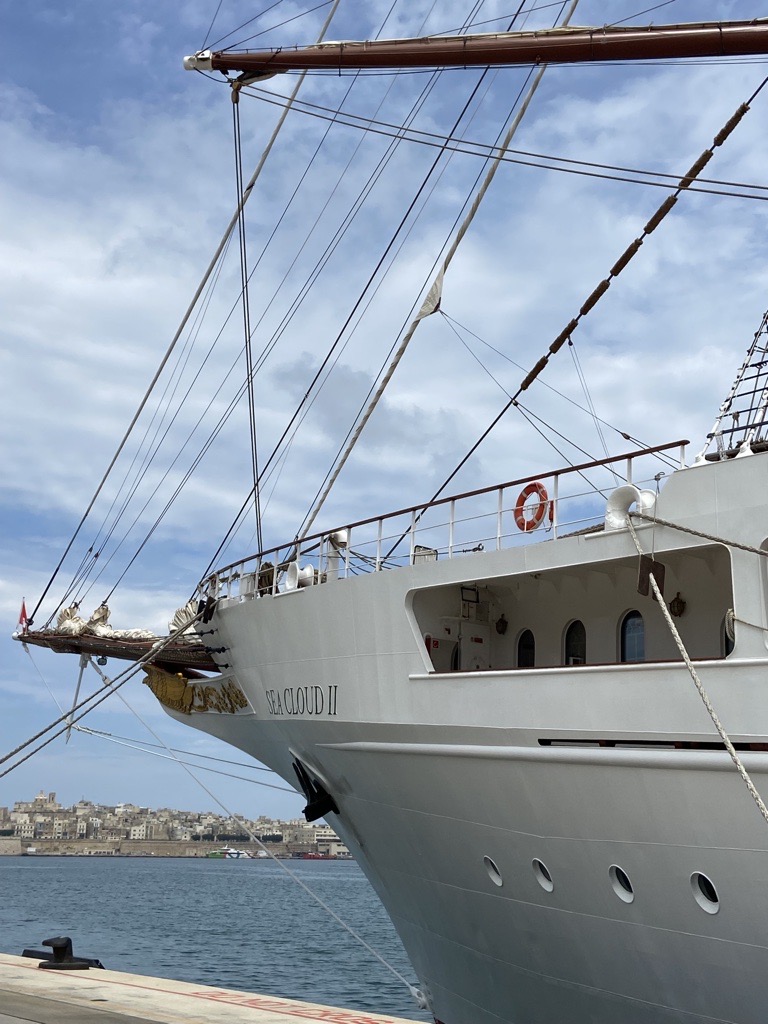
(536, 512)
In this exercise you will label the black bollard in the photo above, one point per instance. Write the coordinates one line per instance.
(61, 957)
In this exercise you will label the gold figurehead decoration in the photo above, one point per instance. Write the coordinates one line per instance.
(178, 693)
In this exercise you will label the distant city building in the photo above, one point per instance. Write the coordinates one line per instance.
(43, 818)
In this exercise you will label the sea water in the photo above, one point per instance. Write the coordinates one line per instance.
(242, 924)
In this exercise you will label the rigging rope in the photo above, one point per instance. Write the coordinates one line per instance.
(700, 686)
(120, 680)
(593, 299)
(346, 324)
(432, 301)
(622, 433)
(544, 161)
(246, 303)
(699, 533)
(207, 274)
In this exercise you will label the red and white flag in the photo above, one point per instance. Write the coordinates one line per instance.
(23, 620)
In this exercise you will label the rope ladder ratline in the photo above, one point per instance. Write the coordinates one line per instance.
(752, 789)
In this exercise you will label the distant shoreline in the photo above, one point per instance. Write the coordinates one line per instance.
(187, 849)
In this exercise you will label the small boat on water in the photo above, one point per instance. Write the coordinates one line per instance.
(535, 711)
(228, 853)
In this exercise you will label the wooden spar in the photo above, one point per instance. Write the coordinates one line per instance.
(549, 46)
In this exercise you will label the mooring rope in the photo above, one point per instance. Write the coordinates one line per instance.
(700, 686)
(700, 533)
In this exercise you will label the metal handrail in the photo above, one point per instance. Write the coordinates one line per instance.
(415, 511)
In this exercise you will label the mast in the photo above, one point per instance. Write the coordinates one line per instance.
(548, 46)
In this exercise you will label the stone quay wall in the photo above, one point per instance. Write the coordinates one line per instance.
(126, 848)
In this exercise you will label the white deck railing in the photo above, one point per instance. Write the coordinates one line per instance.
(570, 500)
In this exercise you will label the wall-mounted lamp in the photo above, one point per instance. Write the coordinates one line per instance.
(677, 606)
(501, 625)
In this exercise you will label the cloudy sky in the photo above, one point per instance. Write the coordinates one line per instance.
(117, 174)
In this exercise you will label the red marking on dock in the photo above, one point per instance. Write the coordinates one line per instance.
(293, 1009)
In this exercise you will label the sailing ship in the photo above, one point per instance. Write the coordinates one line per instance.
(508, 701)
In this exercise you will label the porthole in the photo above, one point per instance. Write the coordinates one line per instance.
(493, 872)
(621, 883)
(705, 893)
(542, 875)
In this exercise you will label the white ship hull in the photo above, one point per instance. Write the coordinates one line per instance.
(491, 809)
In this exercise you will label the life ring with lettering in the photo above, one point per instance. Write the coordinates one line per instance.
(536, 511)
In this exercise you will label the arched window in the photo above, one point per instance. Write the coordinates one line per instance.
(526, 649)
(576, 644)
(632, 637)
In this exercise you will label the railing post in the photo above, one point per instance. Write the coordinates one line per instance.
(346, 553)
(451, 512)
(555, 506)
(499, 510)
(413, 537)
(629, 470)
(378, 546)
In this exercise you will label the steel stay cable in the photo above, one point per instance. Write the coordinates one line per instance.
(117, 682)
(212, 437)
(606, 423)
(169, 757)
(477, 199)
(179, 750)
(217, 42)
(588, 396)
(345, 225)
(530, 416)
(372, 277)
(375, 292)
(386, 370)
(154, 443)
(594, 298)
(635, 176)
(43, 679)
(209, 270)
(436, 286)
(280, 24)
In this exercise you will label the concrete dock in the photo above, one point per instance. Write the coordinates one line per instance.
(28, 994)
